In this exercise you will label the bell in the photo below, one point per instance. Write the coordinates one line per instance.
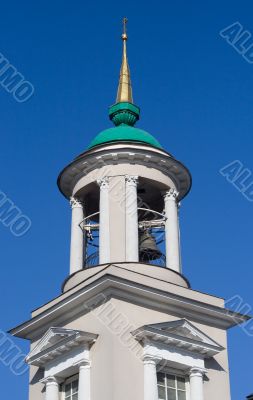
(148, 249)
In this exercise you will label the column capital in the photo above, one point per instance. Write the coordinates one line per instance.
(84, 363)
(75, 203)
(51, 380)
(103, 182)
(150, 359)
(131, 180)
(171, 194)
(197, 371)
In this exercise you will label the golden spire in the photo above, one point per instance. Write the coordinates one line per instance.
(124, 89)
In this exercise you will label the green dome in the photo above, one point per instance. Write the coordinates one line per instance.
(124, 133)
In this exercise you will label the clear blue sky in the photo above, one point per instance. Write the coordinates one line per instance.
(195, 93)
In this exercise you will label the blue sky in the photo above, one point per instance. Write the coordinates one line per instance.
(195, 93)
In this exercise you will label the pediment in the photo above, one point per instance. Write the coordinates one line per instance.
(184, 329)
(57, 341)
(180, 333)
(51, 337)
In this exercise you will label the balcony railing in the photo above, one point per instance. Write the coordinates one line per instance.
(147, 258)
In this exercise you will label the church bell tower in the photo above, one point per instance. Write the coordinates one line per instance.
(124, 191)
(127, 324)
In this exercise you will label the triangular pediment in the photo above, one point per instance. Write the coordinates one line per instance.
(57, 341)
(180, 333)
(51, 338)
(184, 329)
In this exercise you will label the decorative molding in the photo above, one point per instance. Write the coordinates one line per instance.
(86, 363)
(172, 356)
(186, 329)
(56, 342)
(180, 334)
(103, 182)
(51, 380)
(53, 335)
(131, 180)
(171, 194)
(151, 359)
(75, 203)
(68, 305)
(133, 154)
(196, 371)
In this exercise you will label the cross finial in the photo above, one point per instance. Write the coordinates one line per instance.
(124, 35)
(124, 94)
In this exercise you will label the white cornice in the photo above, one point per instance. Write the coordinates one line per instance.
(111, 286)
(125, 153)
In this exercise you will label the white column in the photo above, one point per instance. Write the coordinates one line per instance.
(77, 236)
(84, 381)
(52, 388)
(171, 230)
(104, 227)
(132, 242)
(150, 378)
(196, 383)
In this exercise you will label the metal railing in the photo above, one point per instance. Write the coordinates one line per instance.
(93, 259)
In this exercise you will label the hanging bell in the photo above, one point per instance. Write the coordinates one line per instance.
(148, 249)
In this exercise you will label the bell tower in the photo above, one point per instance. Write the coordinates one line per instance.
(127, 324)
(124, 192)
